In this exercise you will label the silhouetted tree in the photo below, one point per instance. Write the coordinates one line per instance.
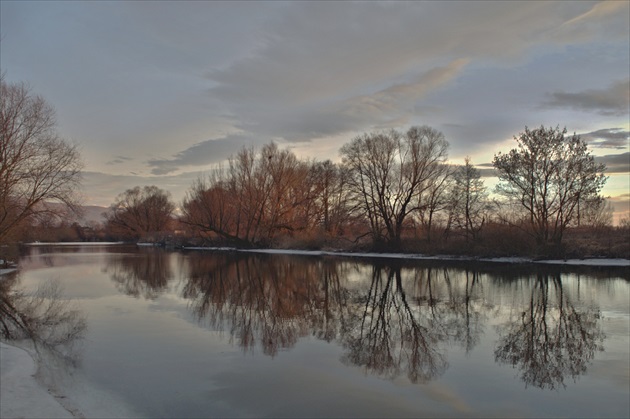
(139, 212)
(40, 173)
(260, 195)
(468, 201)
(331, 198)
(389, 174)
(549, 175)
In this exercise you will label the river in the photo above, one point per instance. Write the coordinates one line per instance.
(227, 334)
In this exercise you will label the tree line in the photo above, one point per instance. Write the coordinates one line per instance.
(390, 187)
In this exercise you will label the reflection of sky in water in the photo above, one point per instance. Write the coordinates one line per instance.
(166, 333)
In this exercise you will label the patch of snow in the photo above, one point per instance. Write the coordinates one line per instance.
(47, 390)
(417, 256)
(73, 243)
(506, 260)
(218, 249)
(7, 271)
(21, 396)
(588, 262)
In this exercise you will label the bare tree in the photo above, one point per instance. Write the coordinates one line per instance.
(435, 198)
(288, 191)
(139, 211)
(596, 212)
(212, 206)
(38, 169)
(331, 198)
(259, 196)
(469, 200)
(390, 171)
(549, 175)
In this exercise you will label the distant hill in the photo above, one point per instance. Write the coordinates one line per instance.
(92, 214)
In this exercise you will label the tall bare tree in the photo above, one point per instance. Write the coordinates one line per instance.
(549, 174)
(38, 169)
(390, 172)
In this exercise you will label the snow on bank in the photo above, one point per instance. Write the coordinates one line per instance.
(10, 267)
(21, 396)
(45, 389)
(73, 243)
(7, 271)
(588, 262)
(416, 256)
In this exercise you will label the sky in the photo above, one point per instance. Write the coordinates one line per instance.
(160, 93)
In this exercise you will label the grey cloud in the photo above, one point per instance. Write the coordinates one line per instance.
(399, 95)
(599, 11)
(324, 70)
(104, 187)
(314, 58)
(607, 18)
(391, 106)
(614, 100)
(608, 138)
(316, 49)
(486, 170)
(615, 163)
(621, 205)
(118, 160)
(203, 153)
(480, 131)
(624, 198)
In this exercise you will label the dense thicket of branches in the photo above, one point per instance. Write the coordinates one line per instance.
(263, 194)
(38, 169)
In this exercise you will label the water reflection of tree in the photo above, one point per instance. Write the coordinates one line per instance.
(468, 308)
(273, 301)
(407, 318)
(144, 274)
(266, 301)
(551, 339)
(388, 335)
(44, 317)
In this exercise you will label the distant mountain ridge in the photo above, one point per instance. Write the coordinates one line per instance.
(91, 214)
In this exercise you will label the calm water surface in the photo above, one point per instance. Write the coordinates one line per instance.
(190, 334)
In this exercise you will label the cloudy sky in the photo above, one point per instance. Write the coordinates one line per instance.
(160, 92)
